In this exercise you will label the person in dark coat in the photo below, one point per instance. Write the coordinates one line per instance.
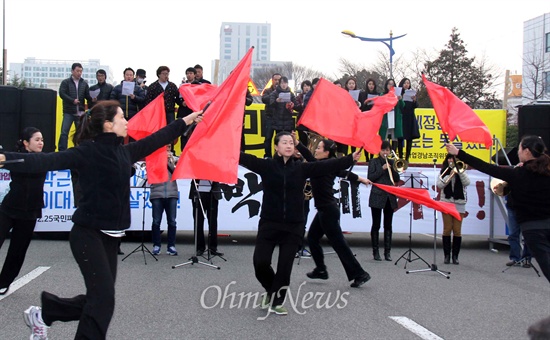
(103, 213)
(410, 124)
(20, 209)
(282, 102)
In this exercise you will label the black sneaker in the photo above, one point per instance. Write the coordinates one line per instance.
(360, 280)
(318, 274)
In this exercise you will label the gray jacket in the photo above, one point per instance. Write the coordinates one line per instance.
(168, 189)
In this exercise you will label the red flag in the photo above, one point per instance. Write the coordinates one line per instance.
(212, 152)
(456, 117)
(151, 119)
(368, 122)
(421, 196)
(331, 112)
(197, 95)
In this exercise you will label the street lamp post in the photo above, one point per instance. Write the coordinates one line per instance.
(382, 40)
(4, 51)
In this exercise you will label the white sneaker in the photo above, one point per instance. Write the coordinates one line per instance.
(33, 319)
(156, 250)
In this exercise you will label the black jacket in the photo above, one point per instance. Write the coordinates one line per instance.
(322, 186)
(25, 199)
(282, 119)
(105, 90)
(377, 174)
(67, 92)
(128, 105)
(283, 183)
(171, 97)
(104, 166)
(528, 190)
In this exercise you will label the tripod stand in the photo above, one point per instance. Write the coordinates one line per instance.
(194, 258)
(212, 224)
(142, 246)
(522, 262)
(407, 255)
(433, 266)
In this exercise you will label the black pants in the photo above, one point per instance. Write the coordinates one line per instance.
(21, 235)
(96, 255)
(327, 222)
(377, 217)
(538, 242)
(210, 205)
(270, 234)
(268, 133)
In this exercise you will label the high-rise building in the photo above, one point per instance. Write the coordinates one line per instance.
(536, 59)
(48, 73)
(236, 38)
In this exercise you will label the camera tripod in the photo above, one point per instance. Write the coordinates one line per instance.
(521, 263)
(194, 258)
(142, 247)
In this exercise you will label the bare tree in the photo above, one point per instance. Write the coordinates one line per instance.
(534, 68)
(298, 73)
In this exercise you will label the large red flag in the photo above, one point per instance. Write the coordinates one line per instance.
(368, 122)
(212, 152)
(197, 95)
(331, 112)
(456, 117)
(148, 120)
(421, 196)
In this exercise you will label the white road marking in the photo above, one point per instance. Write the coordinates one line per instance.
(431, 235)
(417, 329)
(24, 280)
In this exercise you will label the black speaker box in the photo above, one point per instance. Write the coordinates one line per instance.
(10, 114)
(534, 120)
(38, 109)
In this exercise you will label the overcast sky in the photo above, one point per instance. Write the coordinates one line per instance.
(181, 33)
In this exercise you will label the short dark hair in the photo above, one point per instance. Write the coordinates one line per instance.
(275, 74)
(75, 65)
(284, 80)
(191, 69)
(101, 71)
(305, 82)
(198, 67)
(279, 135)
(314, 81)
(162, 69)
(385, 145)
(128, 69)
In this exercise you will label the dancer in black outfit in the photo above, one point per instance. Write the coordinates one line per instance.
(104, 166)
(20, 209)
(327, 220)
(282, 216)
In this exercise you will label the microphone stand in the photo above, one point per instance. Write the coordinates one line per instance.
(433, 267)
(142, 247)
(194, 259)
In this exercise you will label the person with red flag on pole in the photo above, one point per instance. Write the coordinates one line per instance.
(381, 171)
(103, 213)
(282, 216)
(452, 184)
(528, 186)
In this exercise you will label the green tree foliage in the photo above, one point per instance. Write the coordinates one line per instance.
(470, 80)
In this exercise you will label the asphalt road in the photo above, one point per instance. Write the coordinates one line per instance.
(155, 301)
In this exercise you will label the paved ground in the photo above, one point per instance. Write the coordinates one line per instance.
(155, 301)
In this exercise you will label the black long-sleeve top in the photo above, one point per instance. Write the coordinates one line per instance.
(322, 186)
(529, 190)
(377, 174)
(283, 183)
(104, 166)
(25, 199)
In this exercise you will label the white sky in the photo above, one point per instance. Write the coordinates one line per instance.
(182, 33)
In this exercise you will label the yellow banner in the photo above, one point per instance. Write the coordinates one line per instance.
(430, 145)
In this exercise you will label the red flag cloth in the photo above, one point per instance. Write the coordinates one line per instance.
(212, 152)
(456, 117)
(421, 196)
(148, 120)
(331, 112)
(368, 122)
(197, 95)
